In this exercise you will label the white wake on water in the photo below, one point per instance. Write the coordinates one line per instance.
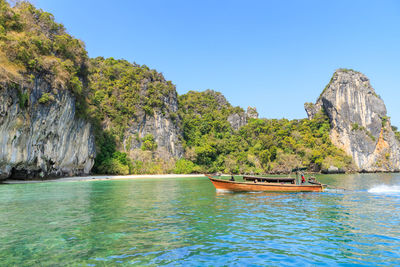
(385, 189)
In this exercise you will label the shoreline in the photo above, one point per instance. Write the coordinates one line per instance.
(142, 176)
(103, 178)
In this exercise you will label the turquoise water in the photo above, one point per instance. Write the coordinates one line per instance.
(184, 221)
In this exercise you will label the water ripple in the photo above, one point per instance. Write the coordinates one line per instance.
(186, 222)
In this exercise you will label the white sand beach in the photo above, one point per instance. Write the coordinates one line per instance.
(104, 177)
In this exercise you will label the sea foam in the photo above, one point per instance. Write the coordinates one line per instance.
(385, 189)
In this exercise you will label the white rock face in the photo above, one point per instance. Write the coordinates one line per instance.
(41, 140)
(359, 122)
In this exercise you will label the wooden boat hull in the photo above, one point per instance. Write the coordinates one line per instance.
(269, 187)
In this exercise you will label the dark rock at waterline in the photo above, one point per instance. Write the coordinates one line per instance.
(333, 170)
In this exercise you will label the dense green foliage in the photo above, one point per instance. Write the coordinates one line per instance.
(45, 98)
(23, 99)
(149, 143)
(33, 45)
(120, 94)
(184, 166)
(205, 114)
(121, 90)
(260, 146)
(114, 94)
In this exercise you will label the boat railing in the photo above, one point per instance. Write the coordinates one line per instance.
(269, 179)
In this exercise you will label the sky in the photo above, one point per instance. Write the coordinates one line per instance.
(273, 55)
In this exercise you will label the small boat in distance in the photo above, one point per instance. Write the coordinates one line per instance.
(269, 184)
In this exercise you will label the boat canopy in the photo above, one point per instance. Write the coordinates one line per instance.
(269, 179)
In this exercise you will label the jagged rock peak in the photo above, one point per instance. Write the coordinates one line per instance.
(252, 113)
(219, 98)
(237, 120)
(359, 122)
(344, 77)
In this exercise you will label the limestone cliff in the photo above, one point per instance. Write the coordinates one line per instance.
(359, 122)
(40, 139)
(161, 124)
(237, 120)
(252, 113)
(138, 108)
(42, 80)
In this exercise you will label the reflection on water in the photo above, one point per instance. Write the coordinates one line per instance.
(187, 222)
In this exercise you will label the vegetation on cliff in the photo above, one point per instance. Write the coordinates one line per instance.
(119, 89)
(261, 146)
(33, 46)
(396, 132)
(114, 94)
(204, 114)
(210, 143)
(119, 92)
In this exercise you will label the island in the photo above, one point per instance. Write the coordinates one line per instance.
(65, 114)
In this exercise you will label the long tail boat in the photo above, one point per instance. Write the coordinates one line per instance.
(270, 184)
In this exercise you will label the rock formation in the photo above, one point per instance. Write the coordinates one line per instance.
(138, 109)
(252, 113)
(359, 122)
(238, 120)
(163, 126)
(42, 139)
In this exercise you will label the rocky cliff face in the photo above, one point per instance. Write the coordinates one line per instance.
(359, 122)
(238, 120)
(42, 139)
(252, 113)
(136, 102)
(163, 126)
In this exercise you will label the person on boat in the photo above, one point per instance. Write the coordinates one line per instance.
(303, 180)
(232, 178)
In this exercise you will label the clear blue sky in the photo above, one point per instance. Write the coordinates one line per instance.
(274, 55)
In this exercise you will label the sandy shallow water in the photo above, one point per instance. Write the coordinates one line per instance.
(103, 177)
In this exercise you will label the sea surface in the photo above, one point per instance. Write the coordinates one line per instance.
(185, 222)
